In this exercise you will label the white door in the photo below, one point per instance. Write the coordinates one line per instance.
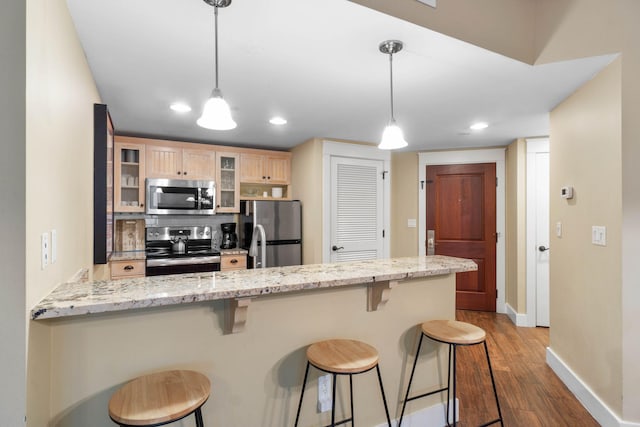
(538, 230)
(542, 237)
(357, 204)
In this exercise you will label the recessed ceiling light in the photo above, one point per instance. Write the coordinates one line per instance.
(479, 126)
(278, 121)
(180, 107)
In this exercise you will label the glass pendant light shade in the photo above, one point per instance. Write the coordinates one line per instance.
(392, 137)
(216, 113)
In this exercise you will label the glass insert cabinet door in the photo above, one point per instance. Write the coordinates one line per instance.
(227, 182)
(129, 177)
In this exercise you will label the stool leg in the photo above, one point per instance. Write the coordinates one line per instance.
(384, 399)
(198, 415)
(455, 348)
(493, 383)
(333, 402)
(351, 399)
(406, 396)
(304, 383)
(449, 385)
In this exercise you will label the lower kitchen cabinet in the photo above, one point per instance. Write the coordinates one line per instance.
(127, 269)
(229, 262)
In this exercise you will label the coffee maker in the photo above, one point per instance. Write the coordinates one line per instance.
(229, 236)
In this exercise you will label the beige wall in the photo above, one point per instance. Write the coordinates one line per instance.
(60, 93)
(256, 374)
(504, 26)
(404, 204)
(515, 222)
(630, 208)
(12, 211)
(586, 298)
(306, 174)
(568, 29)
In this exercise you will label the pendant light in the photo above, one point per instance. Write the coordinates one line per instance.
(392, 137)
(216, 113)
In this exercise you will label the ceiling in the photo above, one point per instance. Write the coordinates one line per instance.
(315, 63)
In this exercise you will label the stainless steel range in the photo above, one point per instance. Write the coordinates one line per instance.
(175, 250)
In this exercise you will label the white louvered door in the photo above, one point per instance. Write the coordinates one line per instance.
(356, 209)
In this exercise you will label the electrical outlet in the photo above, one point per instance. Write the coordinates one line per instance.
(324, 393)
(44, 250)
(54, 246)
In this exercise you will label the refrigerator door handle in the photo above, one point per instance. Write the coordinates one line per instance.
(258, 232)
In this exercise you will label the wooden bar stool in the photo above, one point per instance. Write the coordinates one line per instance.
(453, 333)
(160, 398)
(342, 357)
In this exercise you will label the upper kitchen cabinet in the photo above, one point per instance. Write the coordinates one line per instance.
(174, 161)
(227, 182)
(272, 168)
(129, 176)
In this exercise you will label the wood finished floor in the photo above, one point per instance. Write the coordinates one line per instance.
(530, 393)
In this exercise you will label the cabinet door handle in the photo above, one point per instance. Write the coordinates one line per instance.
(264, 177)
(142, 205)
(268, 177)
(234, 261)
(128, 267)
(185, 172)
(179, 172)
(337, 248)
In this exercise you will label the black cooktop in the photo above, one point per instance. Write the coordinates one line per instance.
(166, 252)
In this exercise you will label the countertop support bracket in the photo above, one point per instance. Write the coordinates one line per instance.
(237, 310)
(378, 294)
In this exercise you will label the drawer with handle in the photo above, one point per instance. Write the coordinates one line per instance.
(233, 262)
(126, 269)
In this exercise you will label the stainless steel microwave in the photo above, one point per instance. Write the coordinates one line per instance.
(180, 197)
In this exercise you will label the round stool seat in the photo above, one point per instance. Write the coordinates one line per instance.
(453, 332)
(159, 398)
(342, 356)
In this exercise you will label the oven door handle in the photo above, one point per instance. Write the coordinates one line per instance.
(163, 262)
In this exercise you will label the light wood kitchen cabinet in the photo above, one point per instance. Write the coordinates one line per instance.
(127, 269)
(228, 186)
(233, 262)
(265, 168)
(129, 175)
(168, 161)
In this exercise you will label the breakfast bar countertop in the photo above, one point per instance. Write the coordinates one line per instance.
(80, 298)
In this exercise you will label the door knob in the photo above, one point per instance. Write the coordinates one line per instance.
(337, 248)
(542, 248)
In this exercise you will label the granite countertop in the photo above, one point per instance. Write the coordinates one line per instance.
(128, 256)
(71, 299)
(235, 251)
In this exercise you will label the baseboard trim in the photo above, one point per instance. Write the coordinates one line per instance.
(430, 416)
(516, 318)
(596, 407)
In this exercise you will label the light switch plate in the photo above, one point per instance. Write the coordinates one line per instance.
(411, 223)
(599, 235)
(44, 250)
(558, 229)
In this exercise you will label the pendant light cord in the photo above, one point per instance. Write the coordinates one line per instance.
(391, 83)
(215, 26)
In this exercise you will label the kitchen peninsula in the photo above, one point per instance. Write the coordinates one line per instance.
(105, 333)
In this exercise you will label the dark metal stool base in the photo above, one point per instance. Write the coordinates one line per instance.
(333, 395)
(448, 387)
(197, 414)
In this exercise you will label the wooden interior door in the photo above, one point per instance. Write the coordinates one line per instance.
(461, 210)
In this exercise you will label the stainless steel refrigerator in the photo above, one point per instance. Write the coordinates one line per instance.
(281, 222)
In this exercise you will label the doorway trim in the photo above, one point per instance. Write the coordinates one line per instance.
(356, 151)
(493, 155)
(537, 145)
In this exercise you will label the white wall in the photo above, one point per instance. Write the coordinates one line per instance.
(12, 213)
